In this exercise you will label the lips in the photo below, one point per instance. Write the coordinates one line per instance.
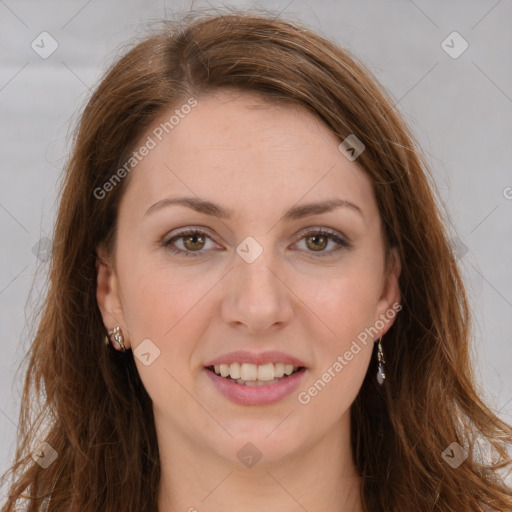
(250, 378)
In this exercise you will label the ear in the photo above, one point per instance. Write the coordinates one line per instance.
(108, 298)
(389, 302)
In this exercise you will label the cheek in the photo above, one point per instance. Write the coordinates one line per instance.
(343, 351)
(169, 310)
(344, 303)
(173, 311)
(160, 302)
(332, 389)
(345, 306)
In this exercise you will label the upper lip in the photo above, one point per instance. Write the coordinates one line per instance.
(243, 356)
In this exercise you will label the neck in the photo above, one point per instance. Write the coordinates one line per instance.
(319, 477)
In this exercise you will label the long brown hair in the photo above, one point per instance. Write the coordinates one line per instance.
(87, 401)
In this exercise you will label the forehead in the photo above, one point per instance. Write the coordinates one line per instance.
(236, 147)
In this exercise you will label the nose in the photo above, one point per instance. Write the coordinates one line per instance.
(256, 297)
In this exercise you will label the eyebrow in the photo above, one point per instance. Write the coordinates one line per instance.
(215, 210)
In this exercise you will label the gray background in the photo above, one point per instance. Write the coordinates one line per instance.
(459, 109)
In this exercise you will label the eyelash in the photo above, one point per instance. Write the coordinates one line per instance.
(195, 232)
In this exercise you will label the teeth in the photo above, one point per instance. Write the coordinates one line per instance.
(278, 370)
(255, 375)
(266, 372)
(235, 371)
(288, 369)
(248, 371)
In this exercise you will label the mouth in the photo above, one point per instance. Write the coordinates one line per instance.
(251, 384)
(249, 374)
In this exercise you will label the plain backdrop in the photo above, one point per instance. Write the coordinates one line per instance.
(458, 106)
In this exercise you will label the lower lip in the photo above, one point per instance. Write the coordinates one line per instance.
(256, 395)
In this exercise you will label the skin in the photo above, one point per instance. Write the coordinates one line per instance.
(260, 160)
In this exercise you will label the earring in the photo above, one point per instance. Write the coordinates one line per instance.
(118, 336)
(380, 358)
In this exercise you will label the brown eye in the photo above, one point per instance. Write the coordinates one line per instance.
(193, 242)
(319, 242)
(316, 242)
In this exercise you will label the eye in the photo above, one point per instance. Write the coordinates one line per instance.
(318, 240)
(194, 240)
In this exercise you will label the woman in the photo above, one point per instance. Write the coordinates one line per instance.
(248, 225)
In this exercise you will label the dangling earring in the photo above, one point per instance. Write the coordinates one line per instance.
(118, 336)
(380, 358)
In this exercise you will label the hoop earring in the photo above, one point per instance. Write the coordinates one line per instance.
(381, 375)
(118, 336)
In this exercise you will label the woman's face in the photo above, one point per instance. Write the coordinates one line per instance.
(257, 285)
